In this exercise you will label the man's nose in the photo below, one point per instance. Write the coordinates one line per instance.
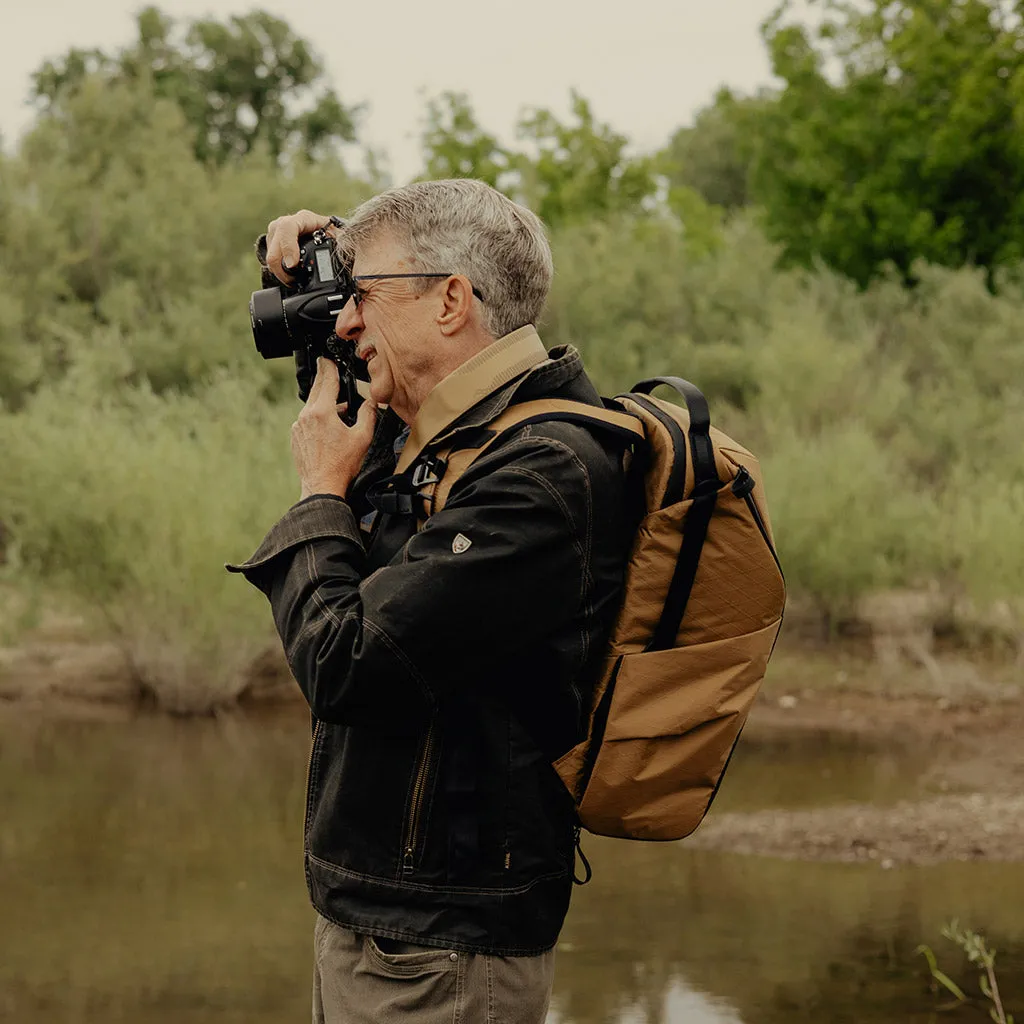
(350, 321)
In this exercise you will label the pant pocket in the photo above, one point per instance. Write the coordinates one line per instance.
(422, 986)
(410, 961)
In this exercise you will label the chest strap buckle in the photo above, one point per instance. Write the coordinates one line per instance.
(428, 471)
(403, 495)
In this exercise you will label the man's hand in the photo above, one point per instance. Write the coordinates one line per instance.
(283, 240)
(328, 453)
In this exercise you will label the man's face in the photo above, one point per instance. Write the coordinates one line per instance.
(394, 327)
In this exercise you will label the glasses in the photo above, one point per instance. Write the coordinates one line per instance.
(360, 293)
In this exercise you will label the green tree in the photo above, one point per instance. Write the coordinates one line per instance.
(580, 170)
(713, 156)
(240, 83)
(896, 136)
(455, 145)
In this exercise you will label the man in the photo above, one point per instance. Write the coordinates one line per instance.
(445, 668)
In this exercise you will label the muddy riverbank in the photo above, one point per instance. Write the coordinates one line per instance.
(967, 803)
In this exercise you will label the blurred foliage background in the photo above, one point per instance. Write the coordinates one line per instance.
(835, 261)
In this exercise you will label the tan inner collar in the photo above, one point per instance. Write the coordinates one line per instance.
(502, 361)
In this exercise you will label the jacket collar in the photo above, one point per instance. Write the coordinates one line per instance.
(488, 371)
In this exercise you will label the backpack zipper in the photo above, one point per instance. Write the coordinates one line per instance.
(743, 487)
(418, 791)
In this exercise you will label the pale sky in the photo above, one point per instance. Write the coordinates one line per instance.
(645, 65)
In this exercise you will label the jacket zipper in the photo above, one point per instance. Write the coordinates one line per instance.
(412, 832)
(309, 770)
(743, 487)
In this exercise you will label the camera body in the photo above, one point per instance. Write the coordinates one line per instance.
(299, 320)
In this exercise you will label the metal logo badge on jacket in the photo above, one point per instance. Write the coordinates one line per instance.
(461, 543)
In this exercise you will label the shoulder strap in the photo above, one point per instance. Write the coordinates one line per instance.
(544, 410)
(547, 409)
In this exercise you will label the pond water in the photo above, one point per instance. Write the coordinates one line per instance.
(150, 871)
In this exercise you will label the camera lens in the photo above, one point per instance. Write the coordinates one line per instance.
(269, 324)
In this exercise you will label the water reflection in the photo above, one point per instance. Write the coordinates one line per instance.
(150, 871)
(678, 1003)
(817, 769)
(779, 941)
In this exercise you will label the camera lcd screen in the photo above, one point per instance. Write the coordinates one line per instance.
(324, 267)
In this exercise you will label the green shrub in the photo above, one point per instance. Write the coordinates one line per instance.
(983, 528)
(133, 505)
(846, 519)
(135, 243)
(888, 420)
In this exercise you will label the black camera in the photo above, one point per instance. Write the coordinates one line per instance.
(299, 320)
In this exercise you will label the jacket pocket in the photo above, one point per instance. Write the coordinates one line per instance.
(416, 823)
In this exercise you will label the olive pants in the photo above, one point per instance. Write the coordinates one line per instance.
(356, 981)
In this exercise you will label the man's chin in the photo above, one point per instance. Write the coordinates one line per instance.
(379, 395)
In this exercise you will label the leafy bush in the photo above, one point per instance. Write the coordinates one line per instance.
(846, 520)
(146, 443)
(132, 506)
(136, 245)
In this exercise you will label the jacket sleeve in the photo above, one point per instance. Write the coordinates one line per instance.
(384, 648)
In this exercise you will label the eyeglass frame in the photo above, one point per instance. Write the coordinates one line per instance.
(358, 292)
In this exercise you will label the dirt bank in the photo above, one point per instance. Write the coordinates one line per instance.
(972, 801)
(973, 827)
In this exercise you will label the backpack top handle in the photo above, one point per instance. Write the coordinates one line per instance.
(704, 469)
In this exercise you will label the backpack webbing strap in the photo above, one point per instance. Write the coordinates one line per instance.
(705, 492)
(545, 410)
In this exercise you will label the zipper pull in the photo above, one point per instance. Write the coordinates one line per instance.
(407, 859)
(578, 849)
(743, 484)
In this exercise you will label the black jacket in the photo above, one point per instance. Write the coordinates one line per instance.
(444, 679)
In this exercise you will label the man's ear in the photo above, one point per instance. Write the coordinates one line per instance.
(457, 299)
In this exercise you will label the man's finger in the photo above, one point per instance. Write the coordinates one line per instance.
(365, 418)
(287, 232)
(325, 383)
(283, 240)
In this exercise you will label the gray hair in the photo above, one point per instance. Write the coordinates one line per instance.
(463, 226)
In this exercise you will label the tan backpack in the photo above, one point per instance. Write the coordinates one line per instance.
(701, 610)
